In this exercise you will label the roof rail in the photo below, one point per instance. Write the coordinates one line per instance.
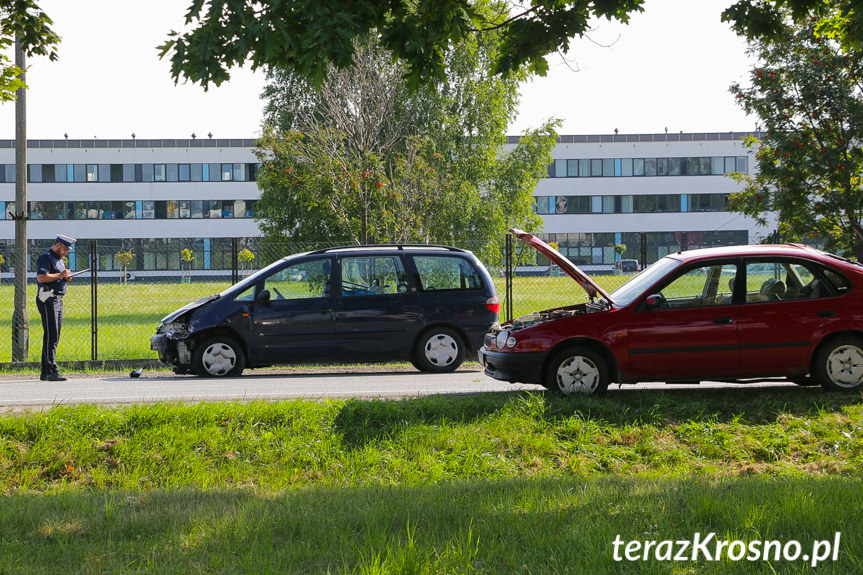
(396, 246)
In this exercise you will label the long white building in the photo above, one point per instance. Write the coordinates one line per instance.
(158, 197)
(152, 197)
(655, 193)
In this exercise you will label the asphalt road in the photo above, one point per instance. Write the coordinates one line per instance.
(163, 386)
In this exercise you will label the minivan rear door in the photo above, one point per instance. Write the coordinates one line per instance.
(376, 308)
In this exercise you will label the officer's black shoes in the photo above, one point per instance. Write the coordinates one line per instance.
(43, 377)
(55, 377)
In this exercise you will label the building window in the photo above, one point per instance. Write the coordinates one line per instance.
(240, 173)
(608, 167)
(650, 166)
(560, 168)
(626, 167)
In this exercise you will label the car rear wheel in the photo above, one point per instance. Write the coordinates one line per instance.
(839, 364)
(438, 350)
(219, 357)
(577, 370)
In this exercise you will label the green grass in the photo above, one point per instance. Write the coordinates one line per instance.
(486, 483)
(128, 315)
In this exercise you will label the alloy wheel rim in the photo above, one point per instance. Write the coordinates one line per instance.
(219, 359)
(441, 350)
(577, 374)
(845, 366)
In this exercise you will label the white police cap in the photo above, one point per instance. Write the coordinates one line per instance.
(66, 240)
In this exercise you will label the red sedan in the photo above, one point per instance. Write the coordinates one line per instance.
(721, 314)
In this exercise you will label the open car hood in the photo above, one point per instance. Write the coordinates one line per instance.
(563, 263)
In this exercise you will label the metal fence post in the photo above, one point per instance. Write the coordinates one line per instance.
(94, 301)
(509, 273)
(643, 239)
(235, 274)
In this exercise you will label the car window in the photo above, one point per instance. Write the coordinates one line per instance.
(247, 295)
(373, 275)
(308, 279)
(446, 273)
(782, 281)
(704, 286)
(839, 282)
(629, 291)
(765, 281)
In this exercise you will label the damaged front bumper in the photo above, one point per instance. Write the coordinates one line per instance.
(171, 349)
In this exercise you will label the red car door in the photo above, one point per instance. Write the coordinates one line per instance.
(691, 332)
(788, 310)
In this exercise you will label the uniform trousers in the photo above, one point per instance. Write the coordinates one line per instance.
(51, 311)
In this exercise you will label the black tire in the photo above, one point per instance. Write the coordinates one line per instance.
(438, 350)
(219, 357)
(577, 370)
(839, 364)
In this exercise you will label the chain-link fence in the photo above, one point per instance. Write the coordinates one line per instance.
(111, 311)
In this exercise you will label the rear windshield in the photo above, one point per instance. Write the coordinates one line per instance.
(446, 273)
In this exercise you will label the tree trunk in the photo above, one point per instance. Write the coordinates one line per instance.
(20, 319)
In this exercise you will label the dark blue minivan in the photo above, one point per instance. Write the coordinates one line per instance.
(427, 304)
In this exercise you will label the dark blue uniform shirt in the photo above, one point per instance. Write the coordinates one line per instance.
(51, 263)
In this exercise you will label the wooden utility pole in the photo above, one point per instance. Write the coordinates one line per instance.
(20, 319)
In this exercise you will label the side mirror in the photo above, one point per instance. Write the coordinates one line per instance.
(263, 297)
(653, 301)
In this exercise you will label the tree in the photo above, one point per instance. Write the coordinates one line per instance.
(245, 257)
(808, 92)
(125, 258)
(188, 256)
(364, 159)
(309, 36)
(841, 20)
(24, 19)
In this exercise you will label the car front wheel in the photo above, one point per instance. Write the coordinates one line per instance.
(577, 370)
(839, 364)
(219, 357)
(438, 350)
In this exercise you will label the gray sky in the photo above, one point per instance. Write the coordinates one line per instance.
(670, 68)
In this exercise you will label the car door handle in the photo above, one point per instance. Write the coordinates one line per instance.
(723, 320)
(826, 313)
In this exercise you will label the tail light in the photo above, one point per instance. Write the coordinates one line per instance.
(493, 304)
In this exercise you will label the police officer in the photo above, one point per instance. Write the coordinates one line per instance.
(52, 276)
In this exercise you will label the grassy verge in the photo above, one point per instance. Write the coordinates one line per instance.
(491, 483)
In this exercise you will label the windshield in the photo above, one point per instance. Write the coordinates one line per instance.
(626, 294)
(241, 286)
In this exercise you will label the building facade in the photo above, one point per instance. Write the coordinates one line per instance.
(655, 193)
(153, 198)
